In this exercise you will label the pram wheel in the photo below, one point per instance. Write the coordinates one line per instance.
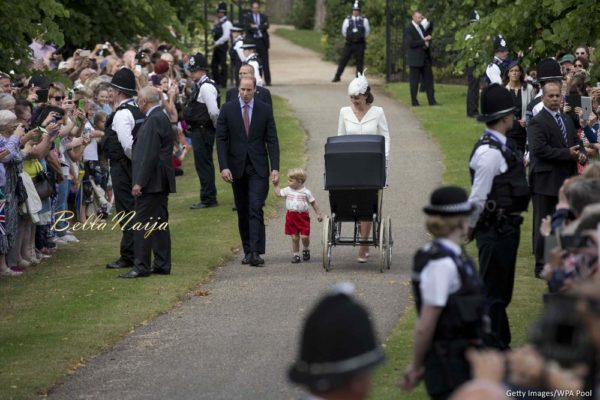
(390, 244)
(327, 242)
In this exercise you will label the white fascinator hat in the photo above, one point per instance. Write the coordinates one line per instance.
(359, 85)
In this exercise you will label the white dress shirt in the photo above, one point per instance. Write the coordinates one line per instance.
(418, 28)
(487, 162)
(372, 123)
(208, 95)
(347, 22)
(226, 25)
(439, 278)
(123, 123)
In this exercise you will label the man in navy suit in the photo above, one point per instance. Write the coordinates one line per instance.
(153, 180)
(248, 151)
(555, 151)
(418, 58)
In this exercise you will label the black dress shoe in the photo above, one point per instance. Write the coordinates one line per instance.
(203, 205)
(246, 259)
(435, 103)
(156, 271)
(415, 104)
(256, 260)
(119, 264)
(335, 79)
(132, 273)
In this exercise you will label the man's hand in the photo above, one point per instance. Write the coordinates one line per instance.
(275, 177)
(574, 153)
(411, 378)
(136, 191)
(226, 175)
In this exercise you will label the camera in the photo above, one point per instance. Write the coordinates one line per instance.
(560, 334)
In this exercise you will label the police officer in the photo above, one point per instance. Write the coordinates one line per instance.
(449, 298)
(252, 58)
(120, 132)
(201, 115)
(355, 30)
(497, 68)
(500, 193)
(221, 32)
(236, 53)
(338, 348)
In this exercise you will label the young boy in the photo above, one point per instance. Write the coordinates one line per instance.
(297, 218)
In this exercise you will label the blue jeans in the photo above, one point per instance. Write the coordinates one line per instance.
(61, 204)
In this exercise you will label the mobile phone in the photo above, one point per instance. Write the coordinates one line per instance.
(138, 68)
(81, 104)
(85, 53)
(586, 106)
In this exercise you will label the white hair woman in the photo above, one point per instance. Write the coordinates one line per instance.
(363, 118)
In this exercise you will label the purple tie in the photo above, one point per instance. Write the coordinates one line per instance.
(246, 117)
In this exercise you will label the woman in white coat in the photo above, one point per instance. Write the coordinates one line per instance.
(363, 118)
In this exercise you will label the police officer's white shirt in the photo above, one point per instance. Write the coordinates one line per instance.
(439, 279)
(256, 66)
(237, 47)
(493, 72)
(123, 123)
(487, 162)
(226, 26)
(539, 106)
(208, 95)
(353, 18)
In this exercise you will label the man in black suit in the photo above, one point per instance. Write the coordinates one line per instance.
(153, 180)
(554, 153)
(261, 94)
(418, 58)
(246, 144)
(257, 27)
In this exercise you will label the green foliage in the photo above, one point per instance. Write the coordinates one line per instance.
(303, 14)
(23, 20)
(539, 29)
(306, 38)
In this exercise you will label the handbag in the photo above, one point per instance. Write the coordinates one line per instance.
(42, 183)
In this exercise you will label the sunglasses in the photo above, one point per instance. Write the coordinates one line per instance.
(580, 54)
(578, 66)
(58, 98)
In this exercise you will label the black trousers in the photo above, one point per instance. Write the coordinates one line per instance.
(218, 65)
(151, 208)
(542, 206)
(120, 174)
(203, 143)
(352, 49)
(250, 192)
(422, 74)
(472, 93)
(263, 54)
(498, 248)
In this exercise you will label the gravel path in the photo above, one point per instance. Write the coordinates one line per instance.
(237, 342)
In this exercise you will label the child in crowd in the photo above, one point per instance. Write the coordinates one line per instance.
(297, 218)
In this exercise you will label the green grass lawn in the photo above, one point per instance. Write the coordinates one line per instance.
(456, 134)
(64, 311)
(305, 38)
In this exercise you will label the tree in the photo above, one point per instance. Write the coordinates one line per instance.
(538, 28)
(23, 20)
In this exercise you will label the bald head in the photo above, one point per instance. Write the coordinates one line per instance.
(148, 97)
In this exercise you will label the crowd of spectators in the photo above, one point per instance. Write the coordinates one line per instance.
(52, 167)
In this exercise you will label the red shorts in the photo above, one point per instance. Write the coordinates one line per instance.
(297, 223)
